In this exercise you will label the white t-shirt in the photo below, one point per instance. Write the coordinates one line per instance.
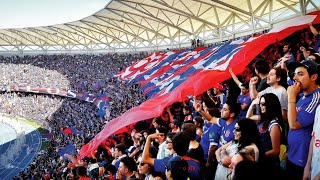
(281, 93)
(315, 163)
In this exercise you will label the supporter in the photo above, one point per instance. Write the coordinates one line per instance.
(227, 121)
(126, 168)
(177, 111)
(177, 169)
(246, 138)
(169, 146)
(119, 153)
(187, 112)
(312, 169)
(82, 173)
(301, 114)
(241, 156)
(175, 126)
(195, 149)
(249, 170)
(269, 126)
(110, 172)
(287, 55)
(180, 147)
(162, 142)
(148, 172)
(217, 90)
(261, 70)
(277, 79)
(244, 98)
(198, 122)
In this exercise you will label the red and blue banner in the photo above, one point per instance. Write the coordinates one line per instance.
(165, 81)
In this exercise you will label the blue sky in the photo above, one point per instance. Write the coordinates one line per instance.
(31, 13)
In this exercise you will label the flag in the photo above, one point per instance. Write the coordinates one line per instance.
(104, 109)
(69, 149)
(76, 131)
(81, 85)
(97, 85)
(199, 73)
(67, 131)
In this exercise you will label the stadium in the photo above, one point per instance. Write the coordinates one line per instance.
(117, 94)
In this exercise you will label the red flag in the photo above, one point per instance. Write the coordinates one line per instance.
(201, 80)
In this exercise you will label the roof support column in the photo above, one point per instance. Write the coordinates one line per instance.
(303, 7)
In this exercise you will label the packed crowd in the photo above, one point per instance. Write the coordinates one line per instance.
(265, 134)
(65, 72)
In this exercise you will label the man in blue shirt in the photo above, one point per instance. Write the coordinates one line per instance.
(301, 114)
(227, 120)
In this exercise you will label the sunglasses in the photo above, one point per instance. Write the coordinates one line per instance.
(168, 142)
(140, 163)
(262, 104)
(237, 129)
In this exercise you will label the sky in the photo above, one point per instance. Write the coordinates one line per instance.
(32, 13)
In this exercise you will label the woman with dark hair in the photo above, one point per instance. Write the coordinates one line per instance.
(246, 139)
(269, 125)
(198, 122)
(148, 172)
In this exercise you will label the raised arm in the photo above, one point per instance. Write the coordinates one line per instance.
(145, 154)
(198, 107)
(250, 114)
(252, 87)
(234, 77)
(313, 30)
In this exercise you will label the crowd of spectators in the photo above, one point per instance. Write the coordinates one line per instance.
(221, 145)
(65, 72)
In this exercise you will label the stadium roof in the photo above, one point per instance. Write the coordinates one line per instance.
(133, 25)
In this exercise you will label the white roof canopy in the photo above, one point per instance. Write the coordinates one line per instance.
(131, 25)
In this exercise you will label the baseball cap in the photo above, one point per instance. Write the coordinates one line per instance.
(218, 86)
(178, 166)
(311, 65)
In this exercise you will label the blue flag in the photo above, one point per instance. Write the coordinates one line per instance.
(69, 149)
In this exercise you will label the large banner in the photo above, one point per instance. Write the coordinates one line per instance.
(171, 76)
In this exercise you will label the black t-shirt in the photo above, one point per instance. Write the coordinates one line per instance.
(197, 154)
(262, 85)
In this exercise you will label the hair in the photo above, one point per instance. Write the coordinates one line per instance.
(170, 135)
(262, 66)
(187, 108)
(81, 171)
(312, 73)
(317, 60)
(179, 169)
(199, 120)
(209, 103)
(129, 163)
(249, 133)
(289, 46)
(245, 85)
(121, 148)
(247, 170)
(273, 110)
(111, 168)
(163, 130)
(234, 108)
(191, 129)
(282, 74)
(180, 143)
(152, 171)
